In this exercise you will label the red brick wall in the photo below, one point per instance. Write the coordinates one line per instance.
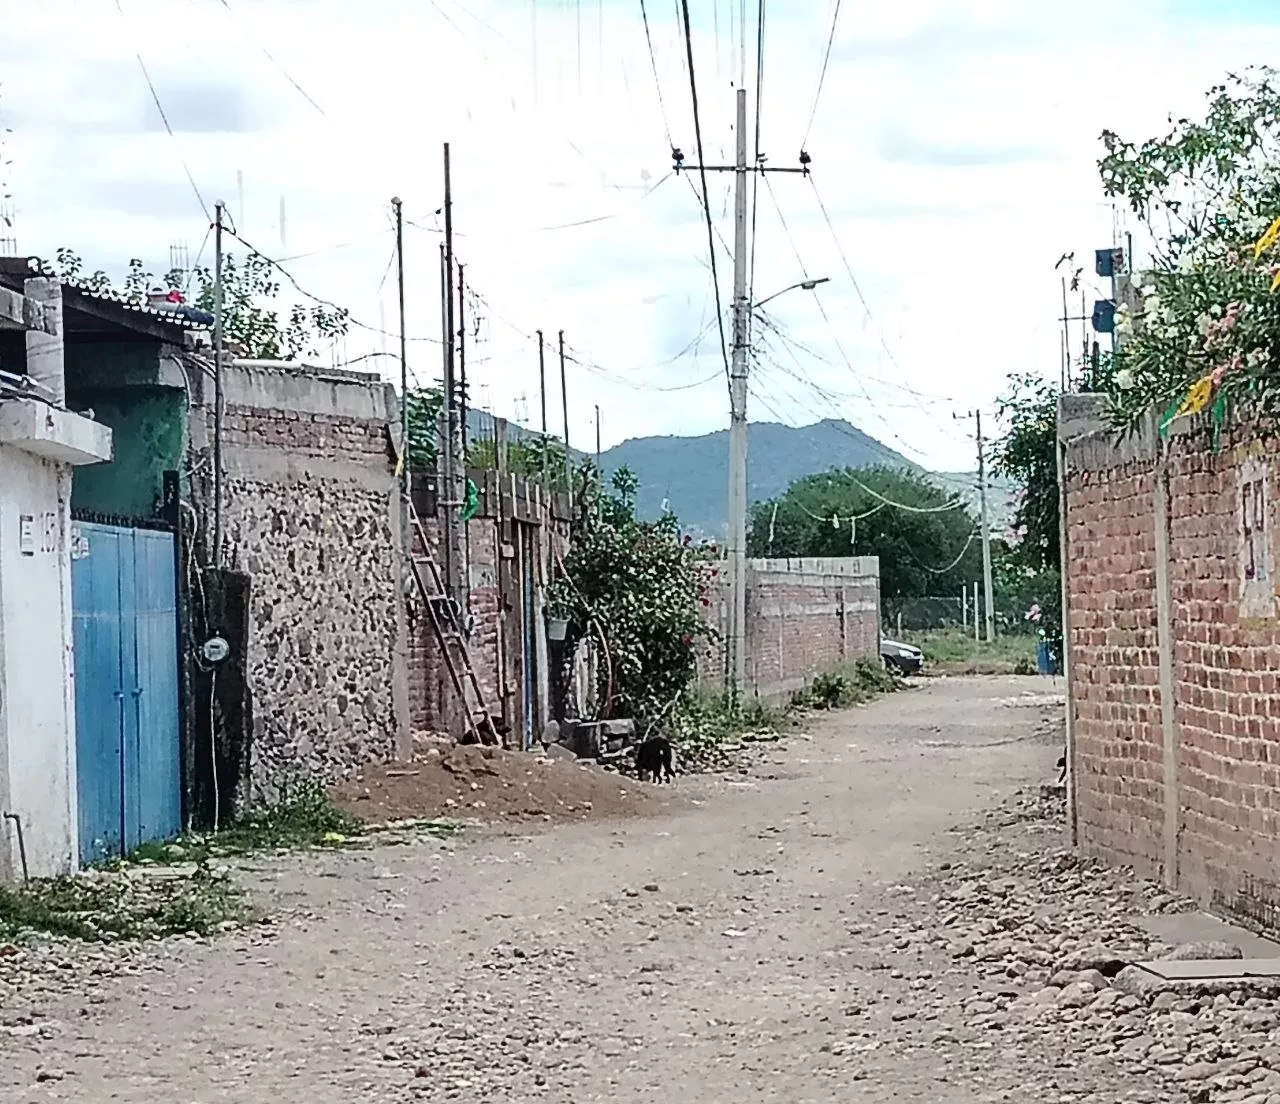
(431, 693)
(803, 617)
(1225, 647)
(1115, 664)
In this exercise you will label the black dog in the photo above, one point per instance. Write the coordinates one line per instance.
(654, 760)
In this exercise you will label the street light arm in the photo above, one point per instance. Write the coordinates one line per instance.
(807, 285)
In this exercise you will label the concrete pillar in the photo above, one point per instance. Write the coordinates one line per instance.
(45, 351)
(1168, 705)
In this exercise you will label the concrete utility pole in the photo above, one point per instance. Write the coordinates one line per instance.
(452, 490)
(736, 544)
(219, 213)
(988, 587)
(564, 402)
(405, 478)
(737, 658)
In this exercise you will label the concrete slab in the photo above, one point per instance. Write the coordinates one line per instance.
(1205, 969)
(1199, 927)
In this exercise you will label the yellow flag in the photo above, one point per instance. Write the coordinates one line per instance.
(1198, 397)
(1267, 240)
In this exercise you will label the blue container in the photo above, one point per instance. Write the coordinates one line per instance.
(1046, 661)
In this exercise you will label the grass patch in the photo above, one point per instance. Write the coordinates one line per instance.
(852, 685)
(955, 652)
(708, 730)
(114, 905)
(302, 817)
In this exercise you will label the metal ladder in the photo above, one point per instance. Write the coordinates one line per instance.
(444, 614)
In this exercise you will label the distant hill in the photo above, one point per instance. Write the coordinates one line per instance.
(690, 474)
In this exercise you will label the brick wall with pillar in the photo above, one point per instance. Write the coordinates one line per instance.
(804, 616)
(1174, 655)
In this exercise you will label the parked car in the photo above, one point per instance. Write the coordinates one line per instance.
(904, 659)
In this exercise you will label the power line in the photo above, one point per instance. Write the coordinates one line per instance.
(164, 118)
(822, 75)
(755, 182)
(282, 70)
(346, 314)
(653, 62)
(702, 171)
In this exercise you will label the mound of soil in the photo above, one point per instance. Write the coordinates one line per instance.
(483, 783)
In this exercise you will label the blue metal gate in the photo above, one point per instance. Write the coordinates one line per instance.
(128, 742)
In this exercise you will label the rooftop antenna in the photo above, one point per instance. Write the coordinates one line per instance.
(8, 238)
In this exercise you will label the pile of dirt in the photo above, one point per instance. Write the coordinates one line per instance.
(483, 783)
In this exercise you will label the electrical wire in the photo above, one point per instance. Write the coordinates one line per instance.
(702, 171)
(822, 74)
(346, 314)
(953, 564)
(755, 176)
(282, 70)
(653, 64)
(164, 118)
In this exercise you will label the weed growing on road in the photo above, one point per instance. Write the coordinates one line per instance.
(105, 906)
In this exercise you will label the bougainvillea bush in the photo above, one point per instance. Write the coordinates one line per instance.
(1206, 334)
(643, 587)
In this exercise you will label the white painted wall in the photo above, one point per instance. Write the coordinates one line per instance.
(37, 697)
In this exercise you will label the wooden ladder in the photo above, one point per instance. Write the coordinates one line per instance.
(447, 624)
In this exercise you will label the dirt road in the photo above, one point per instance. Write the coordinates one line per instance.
(721, 952)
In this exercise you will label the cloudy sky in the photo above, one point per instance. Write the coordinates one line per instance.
(953, 144)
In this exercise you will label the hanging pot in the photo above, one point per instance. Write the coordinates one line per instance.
(557, 627)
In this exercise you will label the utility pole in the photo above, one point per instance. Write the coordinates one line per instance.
(736, 544)
(405, 478)
(564, 401)
(219, 209)
(988, 587)
(597, 436)
(737, 657)
(452, 492)
(542, 392)
(462, 364)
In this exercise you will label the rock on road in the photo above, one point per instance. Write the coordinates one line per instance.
(716, 953)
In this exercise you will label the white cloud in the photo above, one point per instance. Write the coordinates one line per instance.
(954, 148)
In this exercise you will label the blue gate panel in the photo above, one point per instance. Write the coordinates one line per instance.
(99, 658)
(128, 741)
(153, 766)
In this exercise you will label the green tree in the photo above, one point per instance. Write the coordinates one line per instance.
(1207, 191)
(1029, 564)
(926, 543)
(529, 458)
(643, 587)
(250, 314)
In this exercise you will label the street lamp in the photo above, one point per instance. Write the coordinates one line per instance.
(806, 285)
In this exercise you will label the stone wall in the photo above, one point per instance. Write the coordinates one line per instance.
(312, 514)
(1174, 649)
(804, 616)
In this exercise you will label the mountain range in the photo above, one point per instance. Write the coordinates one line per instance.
(689, 475)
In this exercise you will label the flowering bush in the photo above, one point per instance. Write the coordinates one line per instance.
(644, 587)
(1205, 331)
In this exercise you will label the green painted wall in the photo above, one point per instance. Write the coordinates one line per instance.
(120, 381)
(148, 426)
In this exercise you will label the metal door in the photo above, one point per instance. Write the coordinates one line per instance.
(128, 749)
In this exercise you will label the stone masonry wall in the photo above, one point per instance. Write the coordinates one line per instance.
(804, 616)
(311, 513)
(1202, 784)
